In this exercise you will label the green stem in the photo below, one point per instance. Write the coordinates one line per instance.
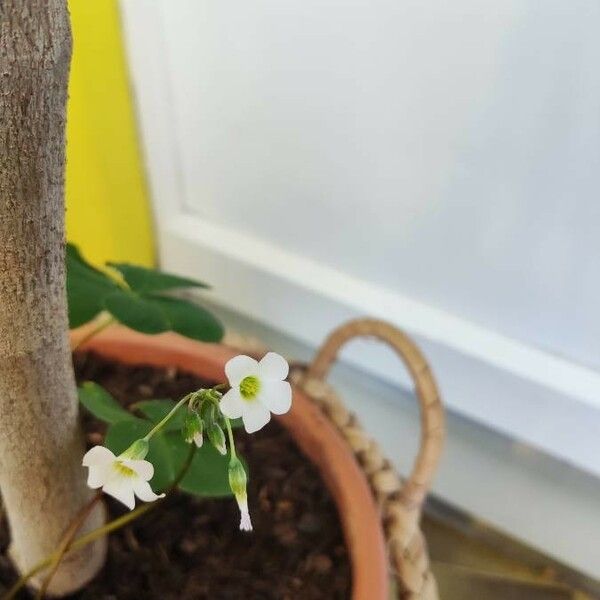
(166, 419)
(99, 532)
(185, 399)
(230, 436)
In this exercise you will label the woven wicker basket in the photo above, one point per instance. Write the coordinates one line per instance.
(400, 501)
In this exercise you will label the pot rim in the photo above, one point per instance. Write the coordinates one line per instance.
(316, 436)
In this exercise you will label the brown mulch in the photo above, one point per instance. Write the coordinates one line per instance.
(191, 548)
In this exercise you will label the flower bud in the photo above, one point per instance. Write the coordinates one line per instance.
(237, 476)
(137, 451)
(217, 438)
(192, 429)
(237, 482)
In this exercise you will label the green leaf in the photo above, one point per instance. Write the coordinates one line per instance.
(207, 475)
(91, 291)
(136, 312)
(122, 434)
(165, 462)
(144, 280)
(156, 410)
(189, 320)
(101, 404)
(86, 288)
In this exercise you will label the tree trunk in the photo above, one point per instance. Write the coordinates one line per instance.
(41, 477)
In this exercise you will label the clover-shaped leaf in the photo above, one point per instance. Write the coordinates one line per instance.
(136, 299)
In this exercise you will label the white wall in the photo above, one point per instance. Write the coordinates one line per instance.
(434, 163)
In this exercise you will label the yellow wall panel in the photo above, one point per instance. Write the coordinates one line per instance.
(108, 213)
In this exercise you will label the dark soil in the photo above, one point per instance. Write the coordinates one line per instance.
(191, 548)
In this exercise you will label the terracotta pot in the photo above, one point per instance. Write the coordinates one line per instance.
(311, 430)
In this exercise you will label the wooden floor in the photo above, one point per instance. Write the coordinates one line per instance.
(473, 561)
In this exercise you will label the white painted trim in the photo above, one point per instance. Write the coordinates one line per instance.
(541, 399)
(531, 395)
(434, 324)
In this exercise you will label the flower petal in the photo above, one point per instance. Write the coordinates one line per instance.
(232, 404)
(98, 455)
(121, 488)
(256, 415)
(245, 521)
(239, 367)
(97, 476)
(144, 492)
(276, 396)
(142, 468)
(273, 366)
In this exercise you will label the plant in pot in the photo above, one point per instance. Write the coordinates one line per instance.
(256, 388)
(58, 525)
(158, 445)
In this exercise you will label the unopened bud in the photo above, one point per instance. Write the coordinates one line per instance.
(237, 476)
(192, 428)
(237, 482)
(217, 438)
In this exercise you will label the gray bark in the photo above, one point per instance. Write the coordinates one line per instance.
(41, 477)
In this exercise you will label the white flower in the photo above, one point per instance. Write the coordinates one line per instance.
(120, 477)
(257, 390)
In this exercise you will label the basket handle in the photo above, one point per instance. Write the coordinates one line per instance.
(415, 488)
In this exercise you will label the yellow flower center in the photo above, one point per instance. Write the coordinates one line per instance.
(123, 470)
(249, 387)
